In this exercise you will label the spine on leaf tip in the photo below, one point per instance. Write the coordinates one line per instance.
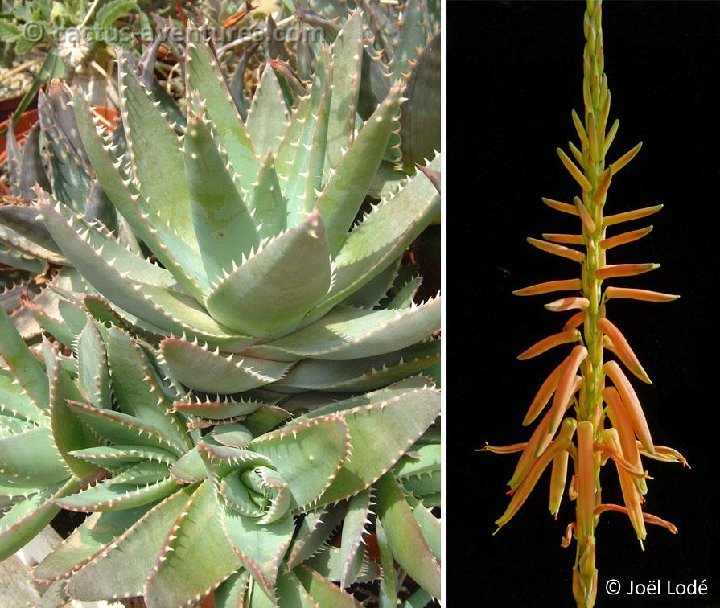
(589, 395)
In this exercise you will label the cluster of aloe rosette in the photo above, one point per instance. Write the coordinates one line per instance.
(594, 414)
(233, 378)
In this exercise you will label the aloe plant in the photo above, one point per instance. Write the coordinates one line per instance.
(594, 416)
(242, 378)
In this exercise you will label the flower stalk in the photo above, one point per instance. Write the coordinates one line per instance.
(595, 415)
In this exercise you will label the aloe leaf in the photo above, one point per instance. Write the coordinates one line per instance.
(189, 468)
(313, 532)
(155, 150)
(420, 128)
(68, 431)
(300, 161)
(413, 34)
(107, 496)
(359, 374)
(259, 546)
(30, 459)
(178, 577)
(23, 220)
(170, 311)
(15, 402)
(271, 292)
(122, 429)
(370, 294)
(347, 51)
(181, 261)
(307, 456)
(388, 582)
(419, 599)
(233, 592)
(405, 537)
(197, 367)
(430, 527)
(121, 568)
(268, 116)
(86, 541)
(204, 74)
(217, 410)
(351, 540)
(112, 457)
(55, 327)
(23, 247)
(380, 433)
(382, 237)
(292, 594)
(346, 188)
(93, 371)
(352, 333)
(328, 564)
(267, 202)
(223, 226)
(28, 370)
(23, 521)
(405, 296)
(323, 591)
(138, 390)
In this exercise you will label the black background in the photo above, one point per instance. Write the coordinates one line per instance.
(514, 74)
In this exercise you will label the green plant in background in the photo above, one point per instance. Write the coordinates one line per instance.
(211, 404)
(607, 423)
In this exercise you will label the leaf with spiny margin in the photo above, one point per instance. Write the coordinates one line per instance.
(10, 426)
(308, 456)
(423, 460)
(299, 161)
(233, 435)
(370, 294)
(68, 431)
(138, 391)
(430, 526)
(217, 410)
(313, 532)
(31, 460)
(233, 592)
(359, 374)
(24, 520)
(140, 473)
(354, 333)
(190, 467)
(266, 418)
(86, 541)
(327, 563)
(168, 310)
(389, 580)
(323, 591)
(205, 77)
(27, 248)
(110, 496)
(380, 433)
(174, 254)
(267, 202)
(100, 310)
(122, 429)
(413, 34)
(405, 296)
(419, 599)
(405, 537)
(93, 371)
(72, 315)
(203, 370)
(26, 368)
(347, 187)
(269, 295)
(15, 259)
(123, 566)
(112, 457)
(259, 546)
(55, 327)
(292, 594)
(382, 237)
(268, 116)
(351, 541)
(347, 51)
(23, 220)
(155, 151)
(420, 128)
(224, 229)
(15, 402)
(178, 577)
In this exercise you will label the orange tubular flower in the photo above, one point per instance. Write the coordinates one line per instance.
(605, 412)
